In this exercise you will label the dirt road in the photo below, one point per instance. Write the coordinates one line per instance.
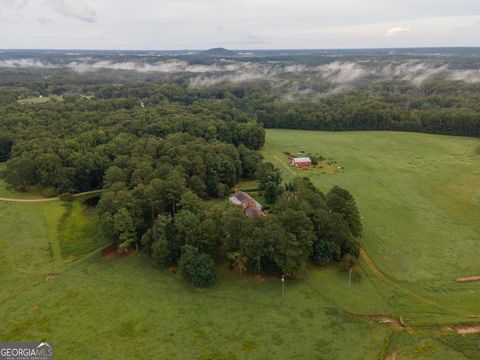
(48, 199)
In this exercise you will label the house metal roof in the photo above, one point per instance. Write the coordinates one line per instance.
(302, 159)
(251, 207)
(242, 197)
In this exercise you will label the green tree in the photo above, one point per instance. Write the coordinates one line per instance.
(20, 173)
(236, 227)
(250, 134)
(125, 229)
(173, 188)
(198, 186)
(269, 179)
(295, 246)
(187, 224)
(153, 193)
(190, 201)
(270, 192)
(156, 239)
(250, 159)
(342, 202)
(196, 268)
(113, 175)
(239, 261)
(6, 144)
(209, 237)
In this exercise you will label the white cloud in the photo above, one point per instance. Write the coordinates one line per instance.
(337, 77)
(13, 4)
(26, 63)
(396, 30)
(470, 76)
(244, 24)
(12, 7)
(342, 73)
(171, 66)
(44, 20)
(415, 72)
(78, 9)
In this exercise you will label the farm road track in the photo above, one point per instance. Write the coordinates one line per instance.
(48, 199)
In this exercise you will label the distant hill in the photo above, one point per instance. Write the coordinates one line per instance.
(218, 52)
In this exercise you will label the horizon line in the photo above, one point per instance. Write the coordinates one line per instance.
(246, 49)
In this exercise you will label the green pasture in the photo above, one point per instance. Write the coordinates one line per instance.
(419, 197)
(54, 291)
(39, 100)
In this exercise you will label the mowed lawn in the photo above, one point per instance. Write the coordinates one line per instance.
(419, 196)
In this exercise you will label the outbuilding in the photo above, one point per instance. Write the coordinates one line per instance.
(302, 161)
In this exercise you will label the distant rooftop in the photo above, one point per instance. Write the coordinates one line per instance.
(302, 159)
(250, 206)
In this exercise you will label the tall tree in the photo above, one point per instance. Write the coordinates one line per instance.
(173, 187)
(156, 239)
(342, 202)
(196, 268)
(269, 179)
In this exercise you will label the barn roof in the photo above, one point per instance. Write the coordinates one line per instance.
(242, 197)
(253, 211)
(302, 159)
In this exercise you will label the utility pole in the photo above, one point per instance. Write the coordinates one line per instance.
(283, 286)
(349, 276)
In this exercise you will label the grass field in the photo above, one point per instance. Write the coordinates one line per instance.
(142, 312)
(419, 196)
(419, 201)
(39, 100)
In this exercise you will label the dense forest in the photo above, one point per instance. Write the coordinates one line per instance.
(430, 109)
(441, 107)
(68, 146)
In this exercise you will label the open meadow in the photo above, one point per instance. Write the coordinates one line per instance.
(39, 100)
(419, 196)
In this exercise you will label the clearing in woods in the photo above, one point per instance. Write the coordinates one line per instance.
(419, 199)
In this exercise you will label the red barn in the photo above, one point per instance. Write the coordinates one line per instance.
(303, 161)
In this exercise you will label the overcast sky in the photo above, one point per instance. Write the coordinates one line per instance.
(237, 24)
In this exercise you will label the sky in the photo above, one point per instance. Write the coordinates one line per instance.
(237, 24)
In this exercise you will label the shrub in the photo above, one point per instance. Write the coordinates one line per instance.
(222, 191)
(196, 268)
(49, 192)
(67, 197)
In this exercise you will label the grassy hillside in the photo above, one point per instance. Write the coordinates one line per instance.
(134, 307)
(419, 196)
(57, 287)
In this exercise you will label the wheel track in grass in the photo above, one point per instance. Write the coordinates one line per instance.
(392, 283)
(273, 152)
(48, 199)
